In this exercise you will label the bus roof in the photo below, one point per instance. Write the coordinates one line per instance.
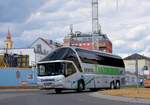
(100, 52)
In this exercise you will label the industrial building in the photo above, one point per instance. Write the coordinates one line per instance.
(143, 65)
(130, 62)
(17, 57)
(89, 41)
(93, 41)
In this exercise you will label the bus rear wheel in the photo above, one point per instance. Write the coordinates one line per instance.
(112, 86)
(58, 91)
(81, 86)
(93, 89)
(117, 85)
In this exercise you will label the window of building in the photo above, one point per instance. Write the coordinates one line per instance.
(7, 45)
(44, 52)
(39, 48)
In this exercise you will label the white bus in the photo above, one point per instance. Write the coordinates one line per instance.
(76, 68)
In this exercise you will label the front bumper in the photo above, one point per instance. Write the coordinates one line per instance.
(50, 85)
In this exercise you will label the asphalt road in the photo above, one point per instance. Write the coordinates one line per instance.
(50, 98)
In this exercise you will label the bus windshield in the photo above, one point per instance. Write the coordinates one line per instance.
(51, 69)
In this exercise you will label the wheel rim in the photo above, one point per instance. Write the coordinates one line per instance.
(112, 85)
(81, 86)
(117, 85)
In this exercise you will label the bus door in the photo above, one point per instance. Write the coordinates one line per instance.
(70, 76)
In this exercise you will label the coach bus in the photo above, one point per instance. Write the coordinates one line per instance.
(76, 68)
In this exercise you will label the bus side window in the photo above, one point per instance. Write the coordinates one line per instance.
(70, 69)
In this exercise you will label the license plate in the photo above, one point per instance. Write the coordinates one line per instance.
(47, 84)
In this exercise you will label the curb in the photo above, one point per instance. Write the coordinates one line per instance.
(18, 90)
(18, 87)
(122, 99)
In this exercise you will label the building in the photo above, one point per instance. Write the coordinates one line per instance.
(130, 62)
(89, 41)
(143, 63)
(21, 52)
(37, 51)
(8, 42)
(14, 60)
(43, 47)
(27, 56)
(94, 41)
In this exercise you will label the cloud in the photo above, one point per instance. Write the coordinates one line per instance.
(119, 43)
(136, 33)
(53, 6)
(17, 10)
(128, 26)
(2, 43)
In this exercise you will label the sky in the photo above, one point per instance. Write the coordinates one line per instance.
(127, 26)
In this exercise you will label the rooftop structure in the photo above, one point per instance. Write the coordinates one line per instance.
(92, 41)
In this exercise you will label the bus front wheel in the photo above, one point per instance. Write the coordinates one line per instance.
(112, 86)
(117, 85)
(80, 86)
(58, 91)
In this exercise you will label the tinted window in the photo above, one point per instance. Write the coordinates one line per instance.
(111, 61)
(87, 56)
(51, 69)
(70, 69)
(64, 54)
(72, 57)
(98, 58)
(58, 54)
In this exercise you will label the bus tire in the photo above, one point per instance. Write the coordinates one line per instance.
(93, 89)
(117, 85)
(112, 86)
(81, 86)
(58, 91)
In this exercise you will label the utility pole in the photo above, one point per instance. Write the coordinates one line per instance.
(137, 72)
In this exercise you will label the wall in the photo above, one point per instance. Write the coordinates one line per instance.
(17, 77)
(131, 79)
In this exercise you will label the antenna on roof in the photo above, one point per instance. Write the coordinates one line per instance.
(71, 29)
(95, 20)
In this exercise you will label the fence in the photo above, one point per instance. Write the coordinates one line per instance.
(17, 77)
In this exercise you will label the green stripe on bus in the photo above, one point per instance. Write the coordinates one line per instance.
(106, 70)
(89, 81)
